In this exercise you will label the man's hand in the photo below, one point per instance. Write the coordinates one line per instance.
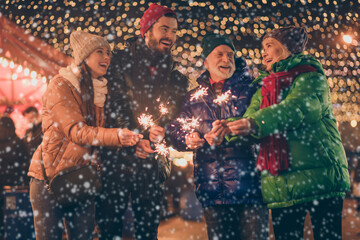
(241, 127)
(157, 134)
(222, 123)
(193, 141)
(128, 138)
(143, 149)
(217, 133)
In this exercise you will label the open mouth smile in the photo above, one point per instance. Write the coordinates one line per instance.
(104, 65)
(166, 43)
(224, 68)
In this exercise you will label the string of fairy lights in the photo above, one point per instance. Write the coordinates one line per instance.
(327, 22)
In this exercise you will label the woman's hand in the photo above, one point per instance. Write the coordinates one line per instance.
(143, 149)
(128, 138)
(242, 127)
(193, 140)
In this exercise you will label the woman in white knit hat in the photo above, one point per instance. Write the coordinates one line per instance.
(73, 123)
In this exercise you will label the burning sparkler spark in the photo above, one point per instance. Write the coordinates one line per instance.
(163, 110)
(146, 120)
(188, 124)
(223, 98)
(161, 148)
(202, 91)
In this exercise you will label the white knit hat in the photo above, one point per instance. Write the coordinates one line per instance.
(83, 44)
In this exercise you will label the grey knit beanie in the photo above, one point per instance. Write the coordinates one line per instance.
(212, 40)
(83, 44)
(293, 38)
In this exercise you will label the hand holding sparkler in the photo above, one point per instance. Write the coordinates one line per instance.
(242, 126)
(143, 149)
(217, 134)
(193, 140)
(128, 138)
(157, 133)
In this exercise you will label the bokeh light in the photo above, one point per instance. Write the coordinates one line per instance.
(245, 21)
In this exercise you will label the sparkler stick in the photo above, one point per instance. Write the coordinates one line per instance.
(200, 93)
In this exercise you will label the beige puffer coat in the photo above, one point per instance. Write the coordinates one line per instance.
(67, 138)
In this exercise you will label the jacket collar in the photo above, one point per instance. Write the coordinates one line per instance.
(73, 75)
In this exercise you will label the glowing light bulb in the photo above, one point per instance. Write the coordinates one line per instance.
(353, 123)
(14, 76)
(26, 72)
(347, 38)
(33, 74)
(180, 162)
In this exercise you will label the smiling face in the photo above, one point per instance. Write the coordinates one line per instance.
(273, 51)
(98, 62)
(162, 35)
(220, 63)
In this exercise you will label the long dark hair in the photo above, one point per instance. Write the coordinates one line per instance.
(87, 94)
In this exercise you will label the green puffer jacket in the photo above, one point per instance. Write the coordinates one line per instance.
(318, 165)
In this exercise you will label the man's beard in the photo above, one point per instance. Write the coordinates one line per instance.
(225, 75)
(154, 45)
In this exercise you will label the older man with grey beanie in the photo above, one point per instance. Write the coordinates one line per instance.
(227, 183)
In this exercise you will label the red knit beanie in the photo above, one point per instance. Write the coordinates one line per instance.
(153, 13)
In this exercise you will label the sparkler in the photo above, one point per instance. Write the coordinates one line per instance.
(202, 91)
(161, 148)
(163, 110)
(223, 98)
(146, 120)
(188, 124)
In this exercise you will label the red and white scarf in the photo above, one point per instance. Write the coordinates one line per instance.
(274, 149)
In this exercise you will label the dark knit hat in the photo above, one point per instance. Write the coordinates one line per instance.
(153, 13)
(293, 38)
(212, 40)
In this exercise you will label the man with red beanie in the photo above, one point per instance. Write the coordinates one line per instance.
(141, 78)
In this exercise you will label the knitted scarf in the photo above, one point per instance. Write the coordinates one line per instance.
(72, 74)
(274, 149)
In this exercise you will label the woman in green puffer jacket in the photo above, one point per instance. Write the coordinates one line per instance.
(303, 163)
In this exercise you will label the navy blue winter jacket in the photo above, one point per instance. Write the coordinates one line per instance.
(224, 174)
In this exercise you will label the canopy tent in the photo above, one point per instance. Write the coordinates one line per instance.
(23, 48)
(26, 63)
